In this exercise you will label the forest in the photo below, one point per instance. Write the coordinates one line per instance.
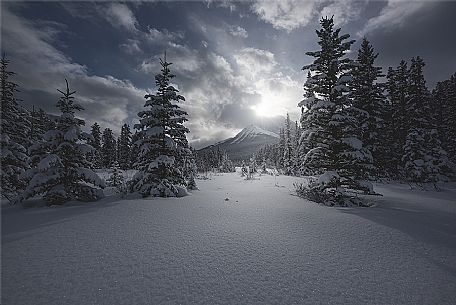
(357, 125)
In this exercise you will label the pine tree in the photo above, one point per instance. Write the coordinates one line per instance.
(288, 148)
(95, 155)
(396, 118)
(163, 144)
(296, 148)
(336, 153)
(369, 105)
(60, 169)
(134, 151)
(124, 147)
(39, 124)
(424, 158)
(13, 130)
(281, 149)
(116, 178)
(444, 108)
(108, 149)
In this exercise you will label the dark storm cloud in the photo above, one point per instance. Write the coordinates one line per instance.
(232, 60)
(429, 34)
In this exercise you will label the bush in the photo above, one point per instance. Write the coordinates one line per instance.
(325, 190)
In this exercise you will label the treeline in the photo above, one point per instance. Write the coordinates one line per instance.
(355, 128)
(215, 160)
(53, 157)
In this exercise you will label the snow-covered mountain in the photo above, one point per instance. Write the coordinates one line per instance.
(246, 142)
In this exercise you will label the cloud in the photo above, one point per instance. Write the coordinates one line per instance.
(255, 61)
(119, 15)
(292, 14)
(108, 100)
(182, 57)
(286, 14)
(394, 14)
(238, 31)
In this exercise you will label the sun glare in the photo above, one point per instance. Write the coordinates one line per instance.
(269, 106)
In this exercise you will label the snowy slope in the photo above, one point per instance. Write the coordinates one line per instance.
(262, 246)
(246, 142)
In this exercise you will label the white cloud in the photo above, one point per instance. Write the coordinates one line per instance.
(286, 14)
(131, 46)
(343, 11)
(119, 15)
(292, 14)
(238, 31)
(182, 57)
(394, 14)
(255, 61)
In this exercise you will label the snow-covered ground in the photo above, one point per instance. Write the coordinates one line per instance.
(262, 245)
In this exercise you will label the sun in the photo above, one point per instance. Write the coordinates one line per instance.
(269, 106)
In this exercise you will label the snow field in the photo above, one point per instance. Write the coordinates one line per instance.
(261, 246)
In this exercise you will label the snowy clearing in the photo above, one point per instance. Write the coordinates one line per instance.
(234, 242)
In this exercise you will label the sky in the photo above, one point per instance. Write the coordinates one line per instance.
(236, 63)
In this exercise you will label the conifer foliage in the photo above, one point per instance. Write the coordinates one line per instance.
(108, 149)
(124, 148)
(368, 100)
(336, 153)
(13, 129)
(163, 144)
(95, 141)
(59, 168)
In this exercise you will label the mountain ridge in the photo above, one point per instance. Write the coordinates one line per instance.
(245, 143)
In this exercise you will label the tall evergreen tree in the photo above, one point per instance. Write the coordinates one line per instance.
(337, 153)
(59, 168)
(444, 106)
(108, 149)
(281, 149)
(397, 117)
(124, 147)
(13, 135)
(163, 144)
(369, 104)
(95, 141)
(288, 148)
(296, 150)
(424, 159)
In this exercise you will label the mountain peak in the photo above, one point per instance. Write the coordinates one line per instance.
(246, 142)
(252, 131)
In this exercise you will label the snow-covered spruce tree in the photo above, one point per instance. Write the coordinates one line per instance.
(444, 106)
(39, 124)
(253, 165)
(95, 141)
(13, 129)
(296, 155)
(337, 154)
(116, 178)
(108, 149)
(124, 148)
(163, 143)
(134, 151)
(305, 143)
(424, 158)
(396, 118)
(288, 148)
(59, 168)
(369, 103)
(281, 149)
(226, 165)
